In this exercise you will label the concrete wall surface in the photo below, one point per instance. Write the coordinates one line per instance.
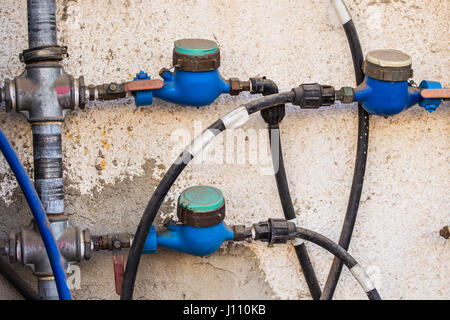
(115, 154)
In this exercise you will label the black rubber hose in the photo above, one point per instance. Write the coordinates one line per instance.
(16, 281)
(269, 101)
(168, 180)
(289, 213)
(360, 166)
(343, 256)
(273, 116)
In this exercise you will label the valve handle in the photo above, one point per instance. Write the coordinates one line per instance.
(118, 263)
(143, 85)
(443, 93)
(118, 272)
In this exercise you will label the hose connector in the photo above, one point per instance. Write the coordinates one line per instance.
(242, 233)
(266, 87)
(237, 86)
(275, 231)
(313, 96)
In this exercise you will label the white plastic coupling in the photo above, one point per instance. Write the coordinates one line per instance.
(342, 11)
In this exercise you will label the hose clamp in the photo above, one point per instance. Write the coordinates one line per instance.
(43, 53)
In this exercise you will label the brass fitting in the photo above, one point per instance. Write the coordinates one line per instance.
(345, 95)
(237, 86)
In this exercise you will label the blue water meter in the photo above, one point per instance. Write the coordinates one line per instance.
(196, 80)
(200, 230)
(385, 90)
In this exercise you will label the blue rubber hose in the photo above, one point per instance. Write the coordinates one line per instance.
(39, 216)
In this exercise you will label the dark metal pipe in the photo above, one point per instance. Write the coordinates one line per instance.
(51, 91)
(48, 173)
(48, 180)
(46, 135)
(41, 23)
(47, 289)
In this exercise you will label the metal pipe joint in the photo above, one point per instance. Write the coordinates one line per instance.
(43, 92)
(27, 247)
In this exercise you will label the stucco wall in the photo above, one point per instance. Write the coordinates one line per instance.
(115, 153)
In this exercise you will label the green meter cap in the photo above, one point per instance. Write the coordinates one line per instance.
(195, 47)
(201, 198)
(196, 55)
(201, 206)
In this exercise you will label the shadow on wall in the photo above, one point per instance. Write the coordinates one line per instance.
(230, 273)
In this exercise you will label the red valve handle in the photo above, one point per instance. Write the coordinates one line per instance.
(118, 272)
(143, 85)
(435, 93)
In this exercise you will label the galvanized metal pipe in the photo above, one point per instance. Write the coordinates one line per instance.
(41, 23)
(48, 180)
(46, 135)
(48, 172)
(47, 289)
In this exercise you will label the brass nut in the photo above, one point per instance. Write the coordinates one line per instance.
(345, 95)
(235, 86)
